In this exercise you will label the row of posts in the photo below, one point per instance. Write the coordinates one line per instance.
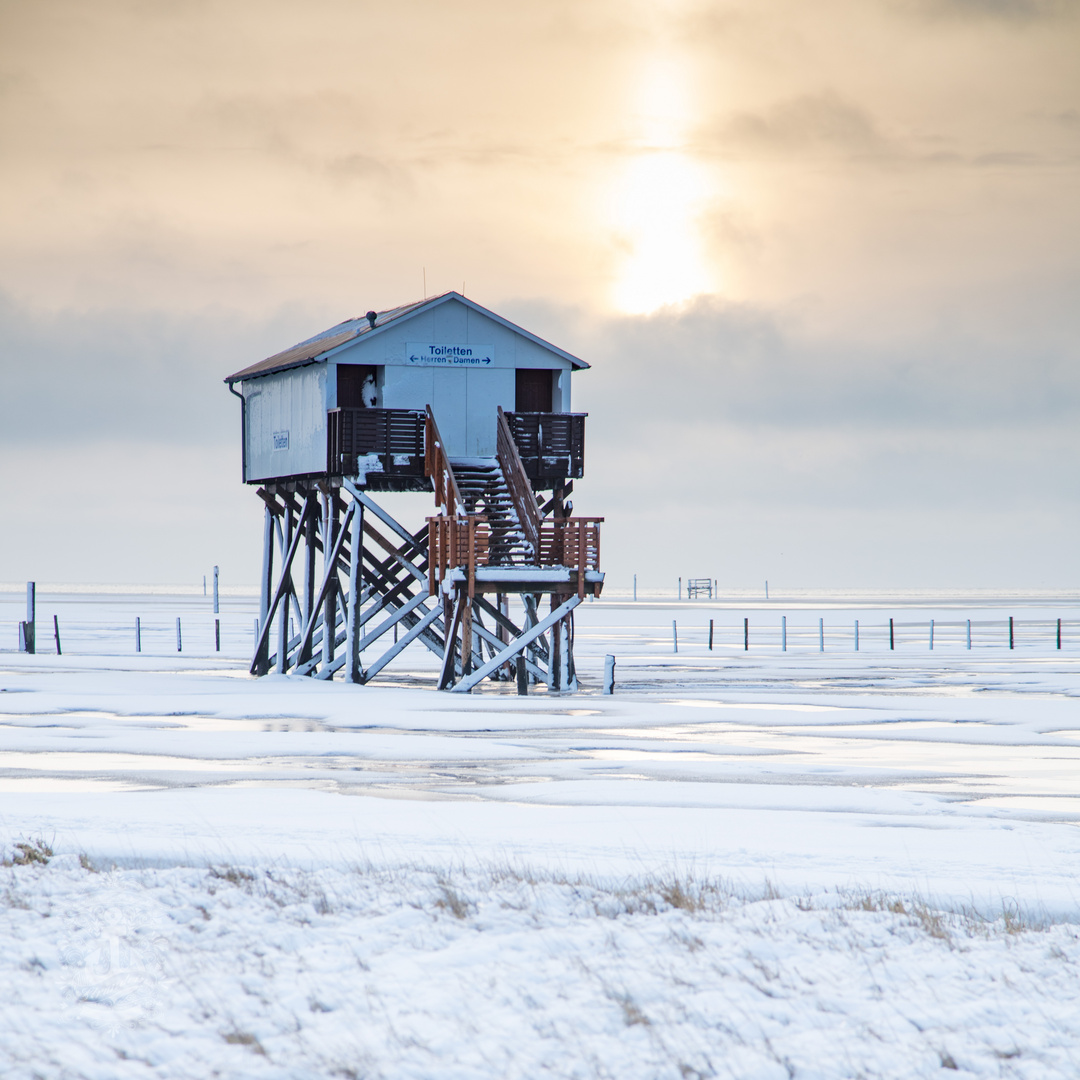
(821, 634)
(28, 627)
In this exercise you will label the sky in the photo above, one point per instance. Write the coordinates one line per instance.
(824, 260)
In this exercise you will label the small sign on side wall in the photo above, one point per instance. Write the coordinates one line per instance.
(281, 440)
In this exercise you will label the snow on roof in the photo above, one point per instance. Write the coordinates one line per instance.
(318, 347)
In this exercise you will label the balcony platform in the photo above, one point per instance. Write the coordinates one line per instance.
(526, 579)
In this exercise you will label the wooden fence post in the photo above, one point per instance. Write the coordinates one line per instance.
(609, 674)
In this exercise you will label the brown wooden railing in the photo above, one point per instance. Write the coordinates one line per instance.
(463, 543)
(395, 435)
(517, 483)
(456, 542)
(437, 468)
(551, 445)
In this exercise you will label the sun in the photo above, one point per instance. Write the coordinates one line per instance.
(659, 197)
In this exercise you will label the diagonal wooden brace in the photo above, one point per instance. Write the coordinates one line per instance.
(515, 646)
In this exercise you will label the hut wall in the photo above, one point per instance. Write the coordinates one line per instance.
(286, 423)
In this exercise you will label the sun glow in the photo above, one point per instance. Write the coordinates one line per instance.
(659, 198)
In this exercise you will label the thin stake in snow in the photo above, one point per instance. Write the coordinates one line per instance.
(783, 633)
(710, 634)
(892, 636)
(215, 589)
(746, 635)
(217, 635)
(1010, 631)
(138, 634)
(635, 588)
(56, 634)
(969, 633)
(178, 639)
(856, 635)
(675, 633)
(609, 674)
(931, 635)
(1059, 634)
(821, 635)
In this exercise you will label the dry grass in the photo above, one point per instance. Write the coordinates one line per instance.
(244, 1038)
(30, 853)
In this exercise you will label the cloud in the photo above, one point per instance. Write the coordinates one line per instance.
(822, 123)
(1006, 10)
(74, 378)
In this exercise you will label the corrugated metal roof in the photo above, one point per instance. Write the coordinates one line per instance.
(313, 348)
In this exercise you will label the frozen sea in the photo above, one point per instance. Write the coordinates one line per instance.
(805, 862)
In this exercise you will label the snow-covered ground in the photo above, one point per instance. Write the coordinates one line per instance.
(746, 862)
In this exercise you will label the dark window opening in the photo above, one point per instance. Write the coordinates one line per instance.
(357, 386)
(532, 390)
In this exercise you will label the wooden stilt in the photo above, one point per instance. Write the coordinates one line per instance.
(283, 618)
(329, 589)
(352, 615)
(467, 637)
(446, 676)
(260, 665)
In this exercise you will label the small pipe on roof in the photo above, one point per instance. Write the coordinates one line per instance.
(371, 317)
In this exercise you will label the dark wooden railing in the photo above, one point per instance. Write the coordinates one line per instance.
(517, 483)
(551, 445)
(437, 468)
(395, 435)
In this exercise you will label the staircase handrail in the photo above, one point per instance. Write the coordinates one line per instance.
(517, 483)
(437, 468)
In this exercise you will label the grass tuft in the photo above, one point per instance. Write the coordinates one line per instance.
(452, 901)
(244, 1038)
(30, 853)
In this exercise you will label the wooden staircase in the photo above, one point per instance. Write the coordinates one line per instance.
(484, 490)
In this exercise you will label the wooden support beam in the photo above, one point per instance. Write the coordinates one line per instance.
(329, 573)
(267, 609)
(416, 631)
(508, 627)
(497, 645)
(260, 663)
(310, 531)
(467, 638)
(516, 646)
(394, 526)
(446, 676)
(333, 538)
(352, 611)
(287, 551)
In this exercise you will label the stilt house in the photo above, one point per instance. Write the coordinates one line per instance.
(441, 396)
